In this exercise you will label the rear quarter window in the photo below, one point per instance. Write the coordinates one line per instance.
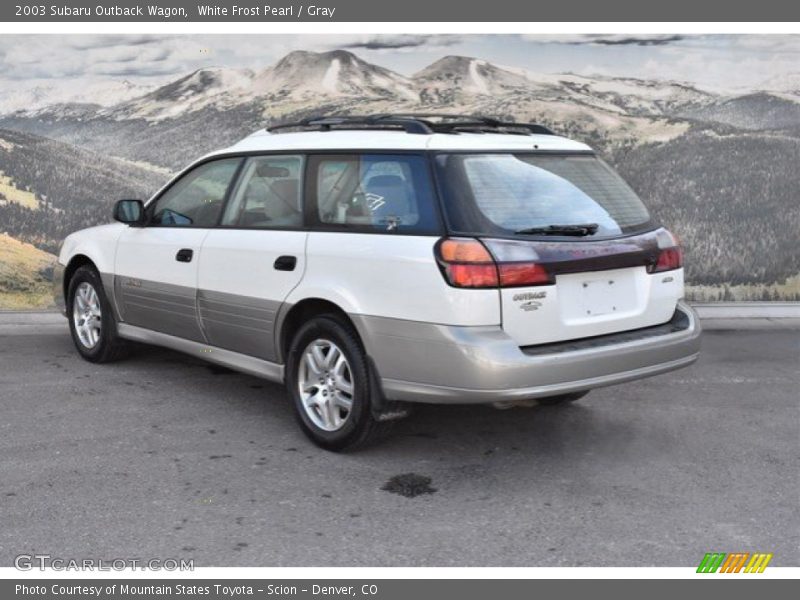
(373, 193)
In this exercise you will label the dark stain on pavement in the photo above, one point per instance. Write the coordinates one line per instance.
(409, 485)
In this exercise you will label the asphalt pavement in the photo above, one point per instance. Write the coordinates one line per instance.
(163, 456)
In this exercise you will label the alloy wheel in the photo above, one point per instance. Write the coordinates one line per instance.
(325, 383)
(87, 315)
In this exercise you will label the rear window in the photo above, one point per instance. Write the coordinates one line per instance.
(503, 194)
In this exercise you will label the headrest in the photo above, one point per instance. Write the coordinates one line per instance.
(386, 181)
(286, 190)
(270, 172)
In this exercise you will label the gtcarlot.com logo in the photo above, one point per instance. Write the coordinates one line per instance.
(735, 562)
(29, 562)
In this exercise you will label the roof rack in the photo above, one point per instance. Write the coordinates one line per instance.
(324, 123)
(419, 123)
(449, 123)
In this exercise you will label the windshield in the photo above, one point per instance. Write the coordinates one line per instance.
(501, 194)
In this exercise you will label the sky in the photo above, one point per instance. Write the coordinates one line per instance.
(717, 62)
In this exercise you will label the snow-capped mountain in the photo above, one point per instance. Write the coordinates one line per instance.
(786, 83)
(38, 95)
(340, 78)
(629, 95)
(307, 75)
(205, 87)
(215, 106)
(300, 77)
(13, 98)
(460, 79)
(455, 78)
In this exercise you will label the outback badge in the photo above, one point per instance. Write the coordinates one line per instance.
(528, 300)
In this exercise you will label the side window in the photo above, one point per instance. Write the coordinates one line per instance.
(196, 199)
(374, 192)
(268, 194)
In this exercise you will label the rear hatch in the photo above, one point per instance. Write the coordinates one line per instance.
(577, 253)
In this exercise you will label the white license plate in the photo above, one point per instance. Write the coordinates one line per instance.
(602, 296)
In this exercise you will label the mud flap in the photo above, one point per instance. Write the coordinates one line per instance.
(382, 408)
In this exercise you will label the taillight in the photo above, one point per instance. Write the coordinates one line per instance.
(518, 274)
(467, 263)
(669, 259)
(470, 263)
(472, 276)
(670, 255)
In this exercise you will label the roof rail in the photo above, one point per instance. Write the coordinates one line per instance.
(325, 123)
(419, 123)
(449, 123)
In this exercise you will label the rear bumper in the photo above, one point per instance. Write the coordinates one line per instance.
(421, 362)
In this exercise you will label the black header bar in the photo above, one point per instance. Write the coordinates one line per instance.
(440, 11)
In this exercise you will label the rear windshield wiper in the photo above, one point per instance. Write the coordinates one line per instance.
(578, 230)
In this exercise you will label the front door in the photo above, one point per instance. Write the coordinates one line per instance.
(156, 266)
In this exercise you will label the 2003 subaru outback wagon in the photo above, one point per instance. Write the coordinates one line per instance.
(368, 262)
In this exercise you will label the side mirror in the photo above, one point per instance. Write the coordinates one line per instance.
(130, 212)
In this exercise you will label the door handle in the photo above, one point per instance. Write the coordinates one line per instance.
(285, 263)
(184, 255)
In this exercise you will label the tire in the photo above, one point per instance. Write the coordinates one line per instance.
(562, 399)
(327, 370)
(91, 318)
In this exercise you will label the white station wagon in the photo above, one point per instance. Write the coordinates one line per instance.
(372, 262)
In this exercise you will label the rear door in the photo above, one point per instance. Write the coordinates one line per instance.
(254, 259)
(156, 266)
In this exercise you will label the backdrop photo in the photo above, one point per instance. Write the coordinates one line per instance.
(705, 128)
